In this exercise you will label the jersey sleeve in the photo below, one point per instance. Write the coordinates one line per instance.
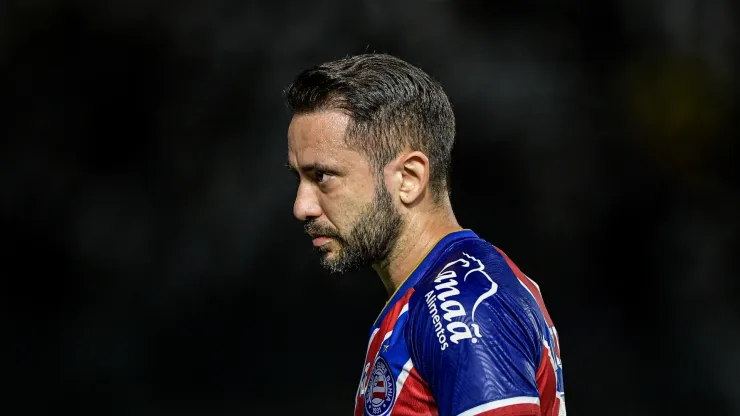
(477, 356)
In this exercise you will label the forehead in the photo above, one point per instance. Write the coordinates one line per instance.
(319, 136)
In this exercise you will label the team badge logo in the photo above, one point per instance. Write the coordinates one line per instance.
(380, 390)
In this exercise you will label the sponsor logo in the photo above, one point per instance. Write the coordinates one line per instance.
(380, 390)
(444, 308)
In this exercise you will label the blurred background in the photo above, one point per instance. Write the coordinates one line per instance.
(152, 265)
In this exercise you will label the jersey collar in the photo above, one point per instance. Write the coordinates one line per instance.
(424, 265)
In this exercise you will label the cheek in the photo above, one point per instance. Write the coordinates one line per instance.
(343, 212)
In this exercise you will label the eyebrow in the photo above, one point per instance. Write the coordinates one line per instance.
(312, 167)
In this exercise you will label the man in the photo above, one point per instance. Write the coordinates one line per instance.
(464, 332)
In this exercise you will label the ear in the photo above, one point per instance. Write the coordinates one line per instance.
(414, 177)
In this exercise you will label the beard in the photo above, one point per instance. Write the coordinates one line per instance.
(370, 240)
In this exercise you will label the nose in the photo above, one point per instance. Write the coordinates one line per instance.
(306, 204)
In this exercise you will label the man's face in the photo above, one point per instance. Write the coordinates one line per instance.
(345, 207)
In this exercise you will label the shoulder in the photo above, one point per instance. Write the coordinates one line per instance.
(472, 290)
(473, 270)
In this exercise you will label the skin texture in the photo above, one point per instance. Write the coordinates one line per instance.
(384, 219)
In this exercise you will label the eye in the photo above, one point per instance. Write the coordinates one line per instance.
(320, 176)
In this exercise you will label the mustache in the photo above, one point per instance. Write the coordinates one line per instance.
(313, 227)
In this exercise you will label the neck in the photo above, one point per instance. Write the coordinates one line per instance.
(419, 236)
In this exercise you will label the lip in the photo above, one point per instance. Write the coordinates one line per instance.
(320, 240)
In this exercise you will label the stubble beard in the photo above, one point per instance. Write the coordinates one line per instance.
(370, 241)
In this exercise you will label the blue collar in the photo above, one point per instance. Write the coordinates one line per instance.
(421, 270)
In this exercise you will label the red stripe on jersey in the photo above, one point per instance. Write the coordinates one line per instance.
(526, 409)
(389, 322)
(387, 325)
(528, 283)
(415, 398)
(547, 385)
(556, 407)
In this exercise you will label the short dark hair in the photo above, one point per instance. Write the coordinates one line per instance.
(392, 105)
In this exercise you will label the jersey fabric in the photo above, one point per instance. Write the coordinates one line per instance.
(467, 333)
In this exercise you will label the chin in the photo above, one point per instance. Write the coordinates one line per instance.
(332, 263)
(330, 257)
(331, 266)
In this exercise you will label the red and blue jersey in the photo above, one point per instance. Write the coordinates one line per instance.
(467, 333)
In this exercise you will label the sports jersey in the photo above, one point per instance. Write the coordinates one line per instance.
(467, 333)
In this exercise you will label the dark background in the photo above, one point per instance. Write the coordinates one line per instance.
(153, 267)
